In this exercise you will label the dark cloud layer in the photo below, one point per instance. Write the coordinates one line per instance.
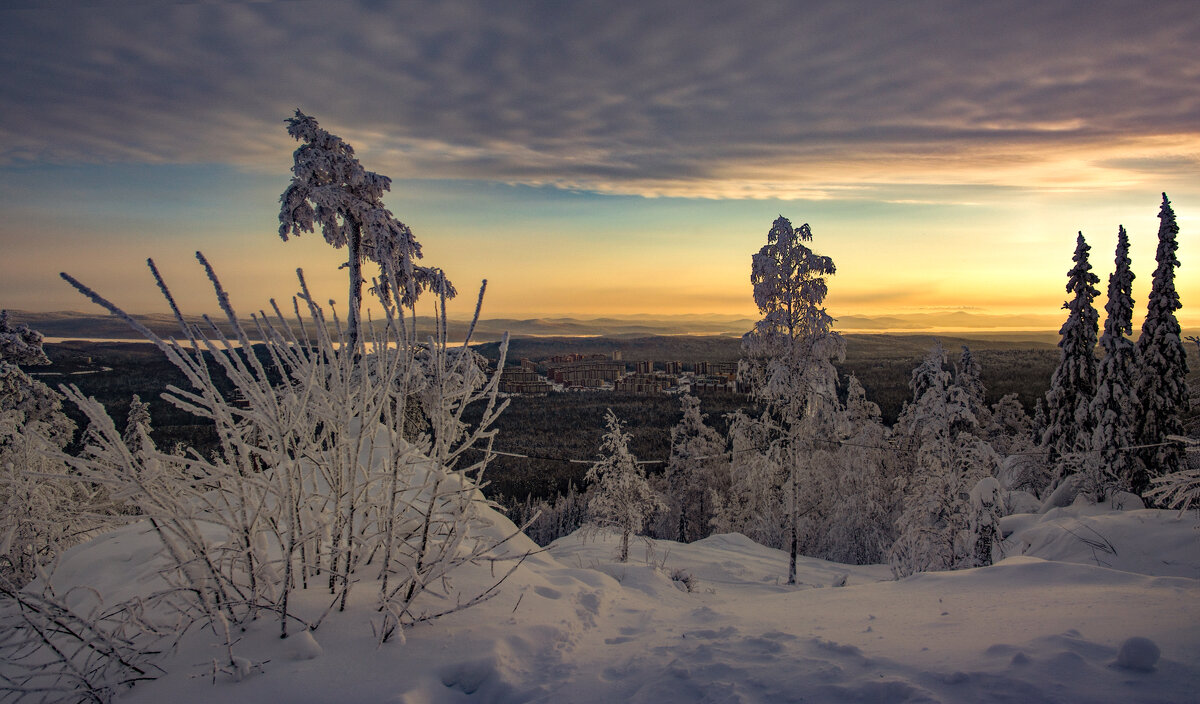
(640, 97)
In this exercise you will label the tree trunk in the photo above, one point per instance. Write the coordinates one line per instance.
(355, 247)
(795, 518)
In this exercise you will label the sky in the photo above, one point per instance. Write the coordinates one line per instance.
(603, 158)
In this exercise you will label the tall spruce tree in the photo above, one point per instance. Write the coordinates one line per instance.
(1162, 389)
(1115, 404)
(1068, 420)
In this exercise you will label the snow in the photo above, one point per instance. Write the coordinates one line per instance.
(1046, 624)
(1143, 541)
(1138, 653)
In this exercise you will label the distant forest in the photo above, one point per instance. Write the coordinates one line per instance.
(567, 425)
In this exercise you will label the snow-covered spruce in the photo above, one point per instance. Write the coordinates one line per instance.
(137, 428)
(1069, 421)
(1162, 390)
(1114, 407)
(619, 497)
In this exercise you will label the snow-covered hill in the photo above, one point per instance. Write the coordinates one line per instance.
(573, 625)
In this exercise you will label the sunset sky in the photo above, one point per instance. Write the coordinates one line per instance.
(604, 158)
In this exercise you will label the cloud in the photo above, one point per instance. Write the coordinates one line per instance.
(723, 101)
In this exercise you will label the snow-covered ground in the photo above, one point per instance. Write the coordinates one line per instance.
(572, 625)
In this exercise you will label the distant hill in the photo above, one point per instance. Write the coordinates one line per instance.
(715, 348)
(71, 324)
(956, 324)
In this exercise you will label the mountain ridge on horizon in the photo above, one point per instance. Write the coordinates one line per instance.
(63, 324)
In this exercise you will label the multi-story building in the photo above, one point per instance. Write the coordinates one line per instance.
(519, 380)
(645, 383)
(591, 371)
(706, 368)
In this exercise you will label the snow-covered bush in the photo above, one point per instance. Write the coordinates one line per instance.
(1180, 489)
(315, 484)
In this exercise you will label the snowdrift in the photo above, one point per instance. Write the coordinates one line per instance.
(572, 625)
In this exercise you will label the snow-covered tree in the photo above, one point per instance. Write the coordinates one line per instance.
(950, 458)
(37, 510)
(697, 451)
(619, 496)
(548, 520)
(1162, 390)
(1009, 429)
(137, 427)
(1114, 407)
(755, 504)
(1069, 422)
(968, 377)
(858, 525)
(1009, 432)
(19, 344)
(985, 534)
(331, 190)
(788, 360)
(1037, 425)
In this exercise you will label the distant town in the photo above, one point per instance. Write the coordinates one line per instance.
(598, 372)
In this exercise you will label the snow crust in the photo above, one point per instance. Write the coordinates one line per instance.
(1046, 624)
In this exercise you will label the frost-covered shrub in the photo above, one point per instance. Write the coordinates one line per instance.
(315, 484)
(74, 648)
(685, 580)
